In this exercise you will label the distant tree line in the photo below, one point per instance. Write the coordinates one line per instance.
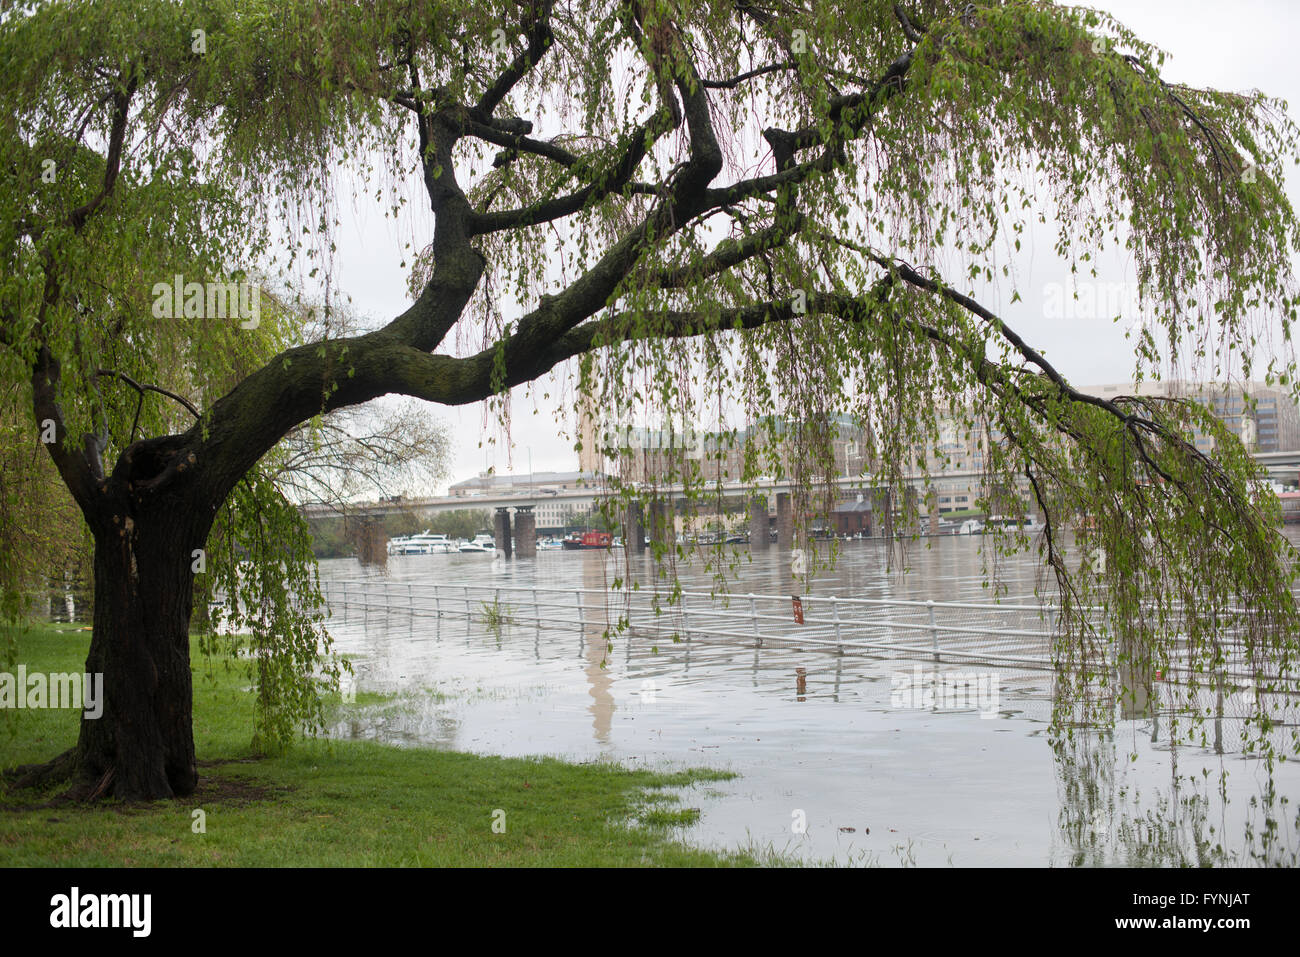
(332, 537)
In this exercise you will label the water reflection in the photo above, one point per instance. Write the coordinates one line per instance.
(938, 781)
(1232, 815)
(597, 648)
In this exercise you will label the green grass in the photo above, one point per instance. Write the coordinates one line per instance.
(330, 803)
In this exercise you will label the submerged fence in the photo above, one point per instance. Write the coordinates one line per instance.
(1001, 635)
(1016, 635)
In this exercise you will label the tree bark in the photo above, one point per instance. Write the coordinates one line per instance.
(142, 745)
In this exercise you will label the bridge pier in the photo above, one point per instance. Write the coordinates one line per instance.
(634, 528)
(372, 543)
(525, 532)
(758, 522)
(784, 521)
(501, 531)
(661, 530)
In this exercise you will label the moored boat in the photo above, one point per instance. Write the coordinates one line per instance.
(589, 540)
(423, 544)
(483, 542)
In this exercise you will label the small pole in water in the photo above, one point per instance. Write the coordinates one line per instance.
(753, 615)
(835, 607)
(934, 629)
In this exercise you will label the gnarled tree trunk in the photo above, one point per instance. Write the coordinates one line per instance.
(142, 745)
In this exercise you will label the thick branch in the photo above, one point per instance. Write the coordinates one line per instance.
(537, 30)
(121, 108)
(850, 114)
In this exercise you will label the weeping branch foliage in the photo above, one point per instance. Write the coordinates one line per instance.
(780, 207)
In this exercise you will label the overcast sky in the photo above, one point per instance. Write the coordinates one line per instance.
(1242, 45)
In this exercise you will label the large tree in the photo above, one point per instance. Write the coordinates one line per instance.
(788, 204)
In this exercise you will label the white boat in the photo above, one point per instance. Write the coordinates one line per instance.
(425, 543)
(972, 526)
(1028, 523)
(483, 542)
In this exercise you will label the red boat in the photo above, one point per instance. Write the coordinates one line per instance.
(589, 540)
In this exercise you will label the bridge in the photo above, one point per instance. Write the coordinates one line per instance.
(1281, 466)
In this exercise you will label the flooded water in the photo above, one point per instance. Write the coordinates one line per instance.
(864, 758)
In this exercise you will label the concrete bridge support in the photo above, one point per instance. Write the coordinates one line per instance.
(371, 542)
(784, 521)
(501, 531)
(525, 532)
(661, 528)
(634, 528)
(758, 523)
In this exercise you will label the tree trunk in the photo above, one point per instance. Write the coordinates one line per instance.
(142, 745)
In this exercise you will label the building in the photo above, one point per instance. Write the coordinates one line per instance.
(1266, 418)
(664, 455)
(536, 488)
(590, 458)
(490, 483)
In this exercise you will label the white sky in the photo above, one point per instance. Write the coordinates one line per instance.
(1242, 45)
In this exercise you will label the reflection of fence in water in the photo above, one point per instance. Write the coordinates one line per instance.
(1013, 637)
(1010, 635)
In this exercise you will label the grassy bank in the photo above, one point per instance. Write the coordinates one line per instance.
(333, 802)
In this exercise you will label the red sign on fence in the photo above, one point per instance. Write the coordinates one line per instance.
(798, 609)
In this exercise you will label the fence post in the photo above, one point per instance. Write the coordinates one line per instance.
(582, 621)
(686, 621)
(934, 629)
(835, 608)
(753, 617)
(468, 612)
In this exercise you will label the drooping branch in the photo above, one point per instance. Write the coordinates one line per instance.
(1139, 426)
(732, 82)
(143, 387)
(615, 178)
(850, 116)
(537, 32)
(726, 256)
(113, 165)
(73, 465)
(120, 98)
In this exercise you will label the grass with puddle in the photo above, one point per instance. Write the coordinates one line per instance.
(328, 803)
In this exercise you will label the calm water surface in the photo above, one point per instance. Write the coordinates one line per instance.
(816, 738)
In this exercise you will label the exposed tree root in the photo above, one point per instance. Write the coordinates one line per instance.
(53, 771)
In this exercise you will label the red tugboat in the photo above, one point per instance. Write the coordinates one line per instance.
(589, 540)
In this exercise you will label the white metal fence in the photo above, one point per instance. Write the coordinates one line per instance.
(1001, 635)
(1011, 635)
